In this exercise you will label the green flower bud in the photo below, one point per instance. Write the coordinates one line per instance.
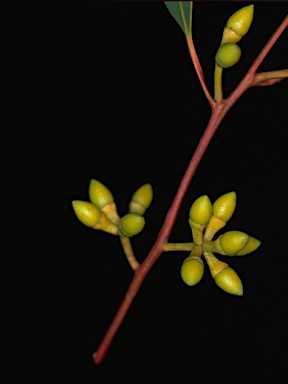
(192, 270)
(86, 212)
(103, 199)
(229, 281)
(201, 210)
(131, 224)
(251, 246)
(228, 54)
(232, 242)
(141, 199)
(222, 210)
(99, 194)
(241, 20)
(224, 206)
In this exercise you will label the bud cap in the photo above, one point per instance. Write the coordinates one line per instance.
(141, 199)
(241, 20)
(86, 212)
(229, 281)
(224, 206)
(233, 241)
(201, 210)
(99, 194)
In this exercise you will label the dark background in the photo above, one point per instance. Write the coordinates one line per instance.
(127, 109)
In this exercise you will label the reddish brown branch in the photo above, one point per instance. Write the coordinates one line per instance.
(248, 79)
(269, 78)
(142, 271)
(218, 113)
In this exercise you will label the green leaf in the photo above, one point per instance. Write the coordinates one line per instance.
(182, 13)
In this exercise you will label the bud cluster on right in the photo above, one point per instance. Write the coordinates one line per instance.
(237, 26)
(205, 221)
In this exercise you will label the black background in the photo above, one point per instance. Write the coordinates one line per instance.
(127, 109)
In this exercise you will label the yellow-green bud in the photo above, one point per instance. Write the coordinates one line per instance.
(131, 224)
(252, 245)
(224, 206)
(99, 194)
(240, 21)
(229, 281)
(86, 212)
(232, 242)
(192, 270)
(201, 210)
(141, 199)
(228, 54)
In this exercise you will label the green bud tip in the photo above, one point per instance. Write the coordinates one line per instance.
(251, 246)
(99, 194)
(141, 199)
(86, 212)
(201, 210)
(233, 241)
(229, 281)
(224, 206)
(241, 20)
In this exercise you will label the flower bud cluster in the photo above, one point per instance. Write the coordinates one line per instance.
(101, 212)
(205, 220)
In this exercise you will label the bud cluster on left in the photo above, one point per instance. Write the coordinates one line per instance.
(101, 212)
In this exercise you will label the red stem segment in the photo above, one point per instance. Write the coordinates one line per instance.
(142, 271)
(217, 115)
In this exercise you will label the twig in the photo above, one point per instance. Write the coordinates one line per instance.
(126, 244)
(218, 112)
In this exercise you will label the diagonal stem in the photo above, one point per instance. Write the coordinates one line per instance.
(248, 79)
(218, 112)
(128, 250)
(199, 70)
(142, 271)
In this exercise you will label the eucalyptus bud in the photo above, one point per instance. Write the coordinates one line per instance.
(231, 242)
(141, 199)
(222, 209)
(131, 224)
(92, 217)
(251, 246)
(199, 215)
(101, 196)
(238, 24)
(192, 270)
(201, 210)
(229, 281)
(228, 54)
(86, 212)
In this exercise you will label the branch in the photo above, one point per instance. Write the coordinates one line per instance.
(269, 45)
(249, 78)
(141, 272)
(269, 78)
(218, 112)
